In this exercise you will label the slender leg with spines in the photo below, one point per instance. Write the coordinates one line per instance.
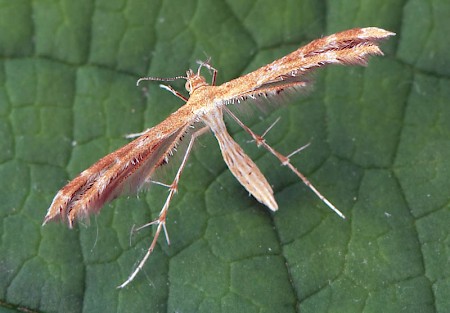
(260, 141)
(161, 220)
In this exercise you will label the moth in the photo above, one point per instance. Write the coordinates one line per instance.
(129, 168)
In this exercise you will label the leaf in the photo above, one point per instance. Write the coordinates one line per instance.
(380, 142)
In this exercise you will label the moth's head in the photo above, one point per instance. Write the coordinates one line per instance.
(194, 81)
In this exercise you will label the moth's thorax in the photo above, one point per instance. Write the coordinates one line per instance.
(202, 100)
(194, 81)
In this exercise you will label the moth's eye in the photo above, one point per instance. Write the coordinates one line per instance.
(188, 86)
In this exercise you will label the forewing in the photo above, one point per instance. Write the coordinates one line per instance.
(351, 47)
(124, 170)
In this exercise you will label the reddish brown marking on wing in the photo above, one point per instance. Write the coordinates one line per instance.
(124, 170)
(350, 47)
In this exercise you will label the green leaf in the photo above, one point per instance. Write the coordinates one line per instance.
(379, 150)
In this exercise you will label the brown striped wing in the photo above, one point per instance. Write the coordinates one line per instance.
(350, 47)
(122, 171)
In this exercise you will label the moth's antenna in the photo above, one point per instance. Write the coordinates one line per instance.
(160, 79)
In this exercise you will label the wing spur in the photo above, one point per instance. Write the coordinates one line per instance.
(124, 170)
(350, 47)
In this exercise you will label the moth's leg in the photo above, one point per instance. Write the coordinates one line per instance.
(161, 220)
(135, 135)
(260, 141)
(174, 92)
(171, 90)
(214, 74)
(209, 67)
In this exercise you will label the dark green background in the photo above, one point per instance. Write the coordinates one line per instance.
(380, 151)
